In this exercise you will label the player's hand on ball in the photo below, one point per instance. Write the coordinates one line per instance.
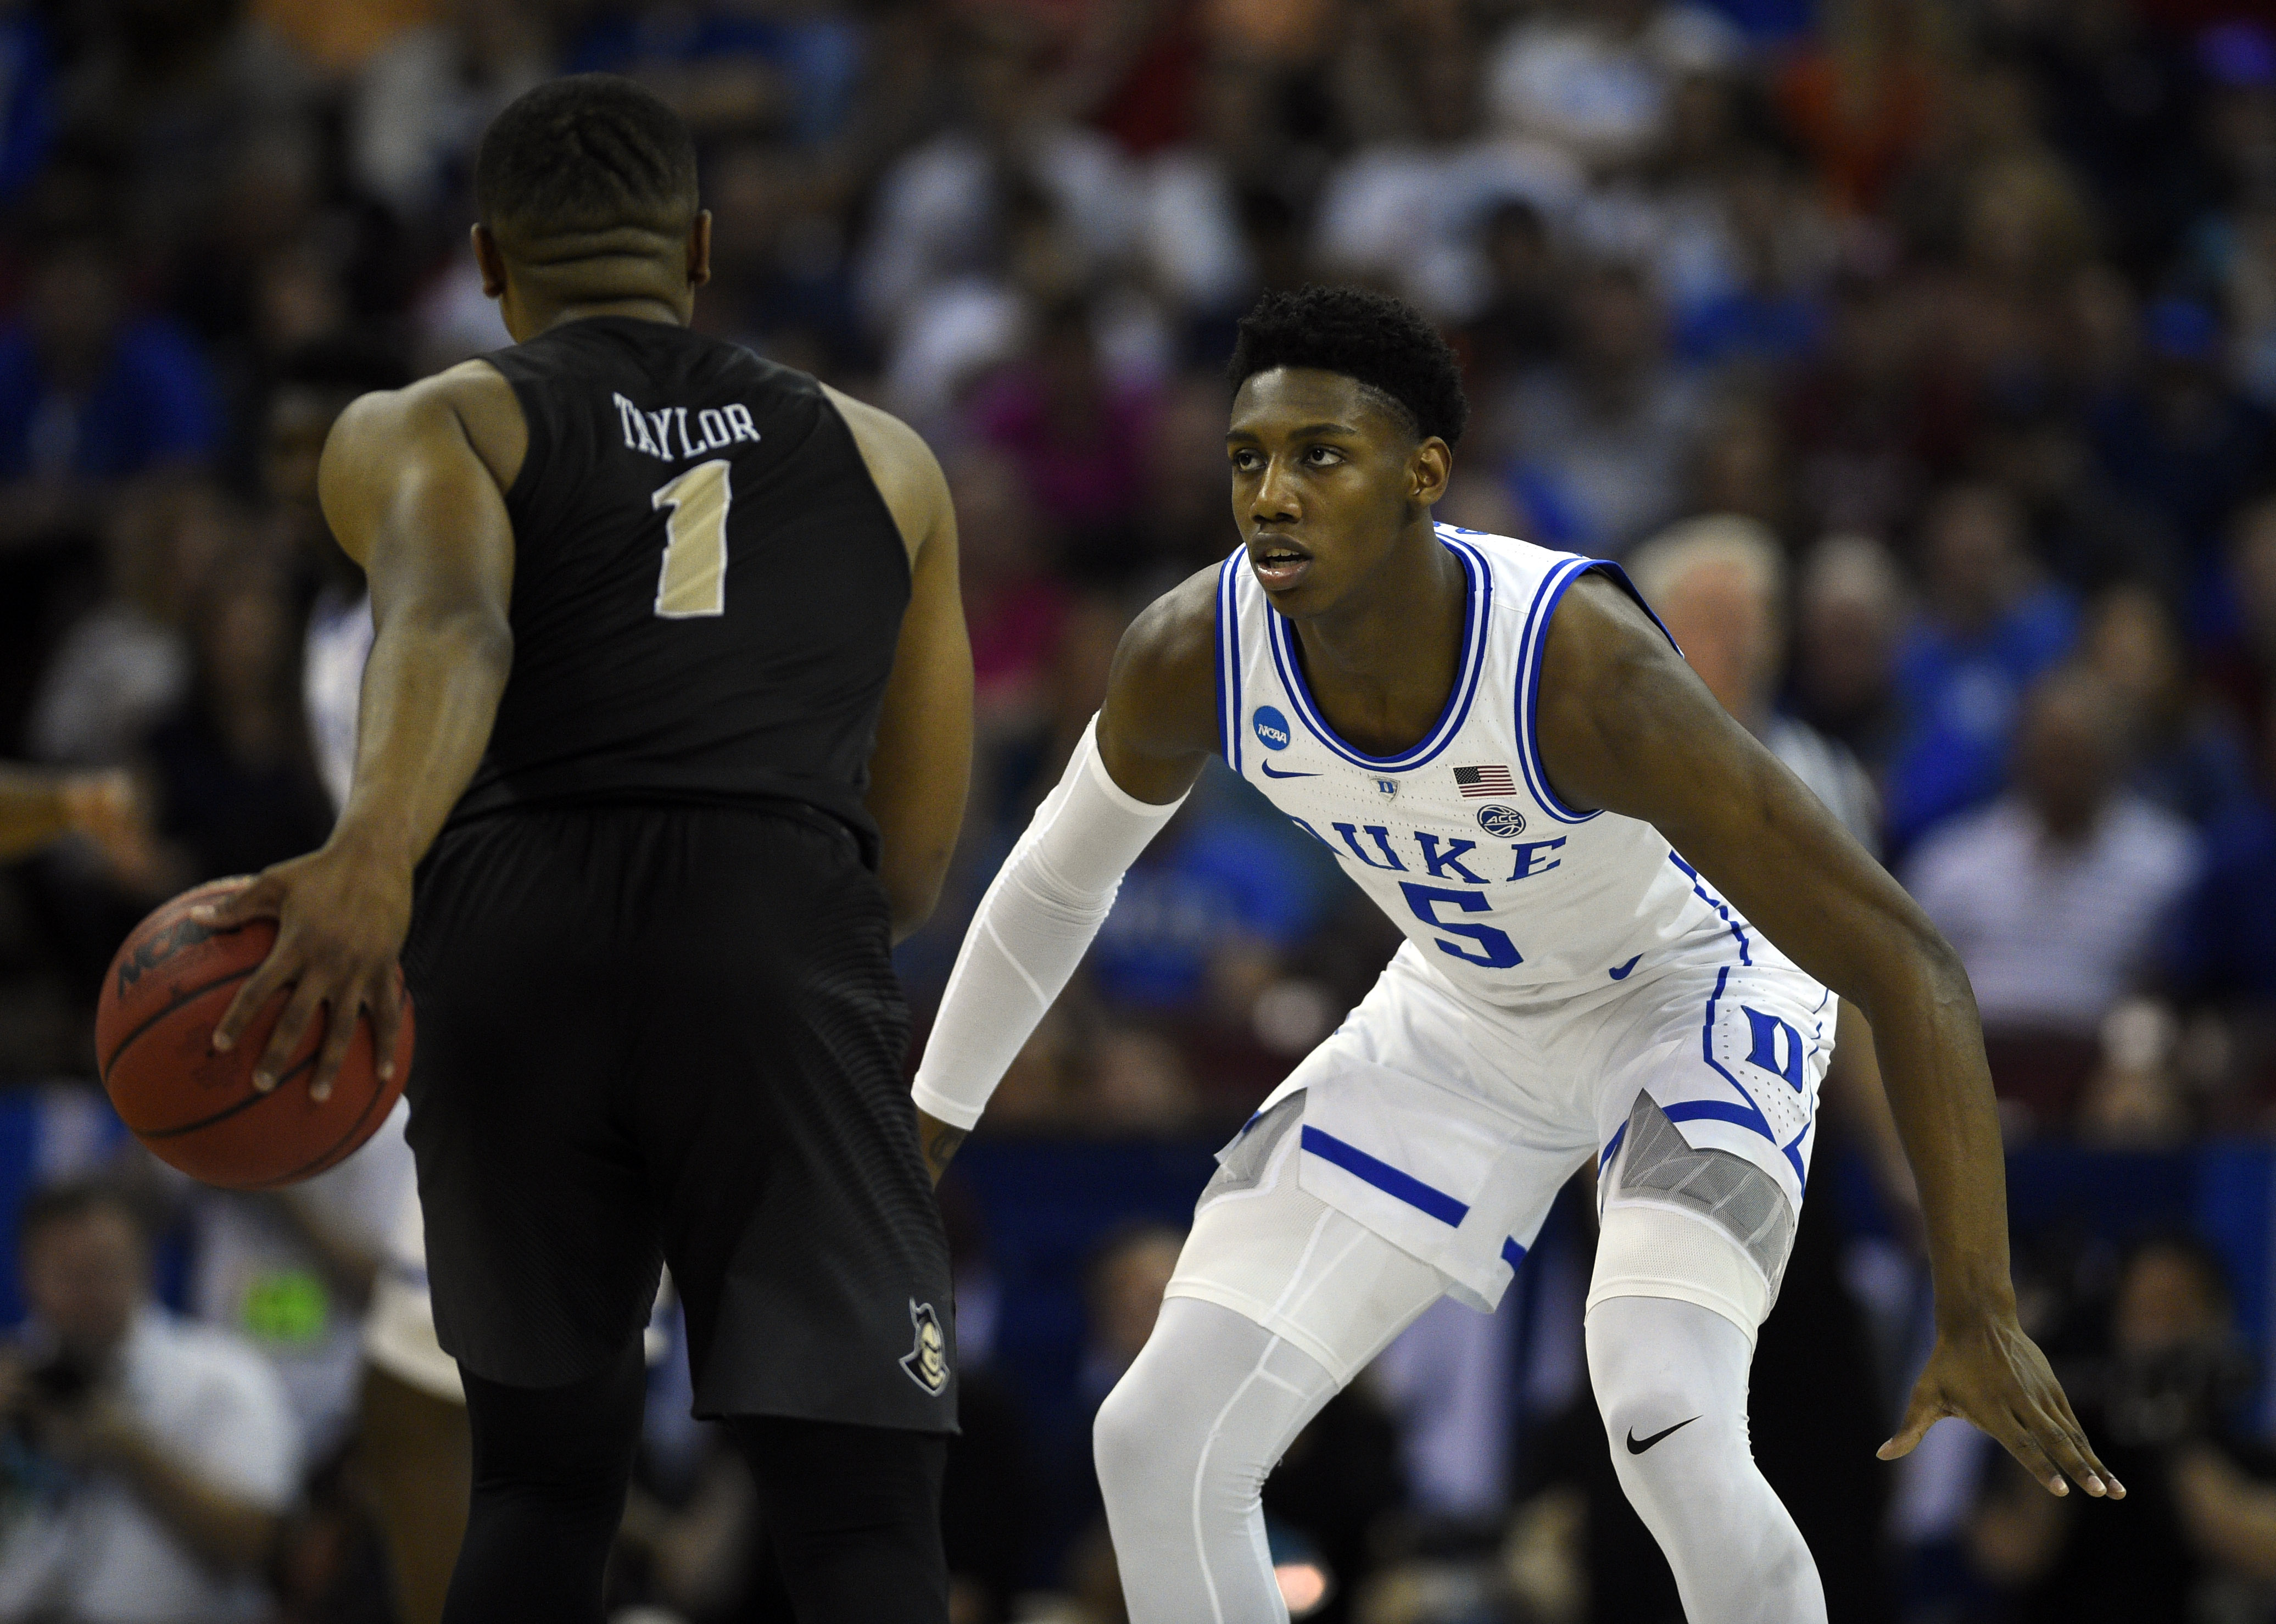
(1993, 1374)
(340, 924)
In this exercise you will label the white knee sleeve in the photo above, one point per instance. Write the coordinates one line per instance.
(1701, 1226)
(1184, 1444)
(1671, 1383)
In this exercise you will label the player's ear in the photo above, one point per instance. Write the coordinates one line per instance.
(491, 259)
(1430, 467)
(699, 249)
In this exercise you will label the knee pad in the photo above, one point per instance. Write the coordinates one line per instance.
(1701, 1226)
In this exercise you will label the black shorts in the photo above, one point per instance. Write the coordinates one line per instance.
(670, 1033)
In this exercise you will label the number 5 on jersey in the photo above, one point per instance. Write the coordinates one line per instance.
(694, 578)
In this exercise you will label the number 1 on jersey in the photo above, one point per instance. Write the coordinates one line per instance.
(694, 578)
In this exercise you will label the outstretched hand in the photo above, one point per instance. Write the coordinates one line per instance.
(1993, 1374)
(340, 924)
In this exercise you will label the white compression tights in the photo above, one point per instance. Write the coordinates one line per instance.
(1184, 1444)
(1676, 1372)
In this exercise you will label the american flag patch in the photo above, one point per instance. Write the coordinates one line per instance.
(1478, 782)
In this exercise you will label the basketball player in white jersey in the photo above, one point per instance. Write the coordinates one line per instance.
(1627, 928)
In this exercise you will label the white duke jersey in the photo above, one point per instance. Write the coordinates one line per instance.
(1507, 894)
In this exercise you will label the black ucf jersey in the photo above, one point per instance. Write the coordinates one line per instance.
(707, 587)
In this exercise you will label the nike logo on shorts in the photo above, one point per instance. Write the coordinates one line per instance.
(1622, 972)
(1637, 1447)
(1266, 768)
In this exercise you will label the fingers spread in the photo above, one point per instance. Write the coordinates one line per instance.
(385, 1008)
(2065, 1445)
(253, 995)
(339, 1033)
(307, 999)
(2020, 1444)
(1925, 1410)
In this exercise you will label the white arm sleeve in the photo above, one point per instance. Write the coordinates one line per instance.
(1046, 905)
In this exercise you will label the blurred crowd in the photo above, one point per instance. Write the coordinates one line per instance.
(1917, 356)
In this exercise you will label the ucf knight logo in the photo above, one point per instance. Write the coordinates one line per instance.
(927, 1362)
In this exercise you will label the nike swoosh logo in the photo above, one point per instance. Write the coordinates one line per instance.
(1637, 1448)
(1622, 975)
(1266, 768)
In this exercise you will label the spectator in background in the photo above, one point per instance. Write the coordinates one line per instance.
(1521, 322)
(1078, 433)
(1404, 212)
(2056, 895)
(313, 387)
(1851, 610)
(162, 1455)
(125, 662)
(2182, 441)
(89, 393)
(1602, 435)
(2220, 954)
(235, 786)
(1988, 627)
(2202, 1513)
(2189, 756)
(1718, 584)
(2241, 662)
(1597, 78)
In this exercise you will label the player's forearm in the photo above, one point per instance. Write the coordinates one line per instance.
(1930, 1043)
(1031, 930)
(430, 695)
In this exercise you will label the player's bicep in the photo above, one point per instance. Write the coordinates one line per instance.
(921, 771)
(1157, 727)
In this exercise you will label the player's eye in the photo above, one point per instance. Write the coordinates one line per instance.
(1322, 456)
(1244, 460)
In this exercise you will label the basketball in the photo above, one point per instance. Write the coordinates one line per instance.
(198, 1110)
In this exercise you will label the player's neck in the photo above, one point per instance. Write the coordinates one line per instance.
(643, 309)
(1381, 663)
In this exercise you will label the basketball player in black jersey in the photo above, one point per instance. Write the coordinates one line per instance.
(669, 708)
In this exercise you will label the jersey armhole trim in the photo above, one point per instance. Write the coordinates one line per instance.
(1228, 660)
(1531, 645)
(537, 447)
(831, 413)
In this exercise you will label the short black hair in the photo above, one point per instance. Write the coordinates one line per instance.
(1383, 344)
(67, 1201)
(590, 153)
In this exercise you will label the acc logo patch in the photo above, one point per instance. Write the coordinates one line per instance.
(1272, 727)
(927, 1362)
(1501, 822)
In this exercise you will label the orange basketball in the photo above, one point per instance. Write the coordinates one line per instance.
(197, 1110)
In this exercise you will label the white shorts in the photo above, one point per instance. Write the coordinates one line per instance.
(1447, 1126)
(399, 1330)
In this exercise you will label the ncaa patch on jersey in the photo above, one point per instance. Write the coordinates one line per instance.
(1501, 822)
(927, 1362)
(1271, 726)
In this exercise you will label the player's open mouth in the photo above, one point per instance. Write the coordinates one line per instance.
(1278, 564)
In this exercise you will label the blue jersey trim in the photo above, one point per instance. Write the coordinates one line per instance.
(1750, 1115)
(1530, 646)
(1228, 660)
(1385, 1176)
(1612, 1148)
(1469, 665)
(1512, 1253)
(1699, 889)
